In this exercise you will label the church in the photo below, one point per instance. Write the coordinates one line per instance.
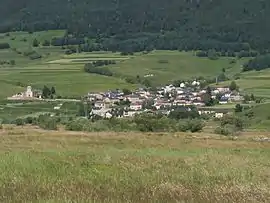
(28, 94)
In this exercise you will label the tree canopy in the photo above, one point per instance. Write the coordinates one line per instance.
(136, 25)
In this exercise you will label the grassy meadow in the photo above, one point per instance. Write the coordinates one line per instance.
(9, 111)
(167, 66)
(254, 82)
(65, 72)
(68, 78)
(43, 166)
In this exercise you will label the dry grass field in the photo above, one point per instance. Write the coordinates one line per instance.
(48, 166)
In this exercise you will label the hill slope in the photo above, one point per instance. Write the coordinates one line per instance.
(173, 24)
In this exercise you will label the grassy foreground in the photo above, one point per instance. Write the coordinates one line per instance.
(41, 166)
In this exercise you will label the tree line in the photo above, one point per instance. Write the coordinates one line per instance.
(96, 69)
(258, 63)
(145, 122)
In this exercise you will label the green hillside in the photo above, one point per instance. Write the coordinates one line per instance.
(256, 82)
(65, 71)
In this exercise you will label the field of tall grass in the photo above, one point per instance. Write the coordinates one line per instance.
(48, 166)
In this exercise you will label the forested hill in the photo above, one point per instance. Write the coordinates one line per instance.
(147, 24)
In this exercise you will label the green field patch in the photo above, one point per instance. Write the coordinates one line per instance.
(171, 65)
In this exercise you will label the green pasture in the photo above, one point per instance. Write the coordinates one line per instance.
(254, 82)
(172, 65)
(65, 72)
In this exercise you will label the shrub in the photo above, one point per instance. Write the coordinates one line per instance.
(35, 56)
(90, 68)
(151, 123)
(29, 120)
(4, 46)
(183, 126)
(35, 43)
(163, 61)
(77, 124)
(46, 43)
(195, 125)
(19, 122)
(46, 122)
(230, 125)
(222, 131)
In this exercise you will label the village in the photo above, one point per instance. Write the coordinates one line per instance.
(125, 103)
(162, 100)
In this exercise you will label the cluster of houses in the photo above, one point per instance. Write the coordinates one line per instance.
(162, 99)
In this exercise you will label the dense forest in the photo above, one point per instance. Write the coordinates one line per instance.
(135, 25)
(258, 63)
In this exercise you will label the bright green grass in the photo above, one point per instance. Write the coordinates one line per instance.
(68, 167)
(10, 111)
(24, 40)
(254, 82)
(8, 89)
(65, 72)
(68, 80)
(180, 65)
(261, 118)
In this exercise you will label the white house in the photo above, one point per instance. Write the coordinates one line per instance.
(99, 104)
(201, 112)
(195, 83)
(202, 91)
(223, 89)
(215, 92)
(103, 112)
(219, 115)
(168, 88)
(182, 85)
(134, 98)
(131, 113)
(136, 106)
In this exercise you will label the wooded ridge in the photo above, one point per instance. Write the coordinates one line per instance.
(133, 25)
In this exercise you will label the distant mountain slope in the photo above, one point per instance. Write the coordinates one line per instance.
(182, 24)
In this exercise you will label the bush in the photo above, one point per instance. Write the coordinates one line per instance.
(4, 46)
(222, 131)
(195, 125)
(90, 68)
(230, 125)
(182, 126)
(152, 123)
(46, 43)
(19, 122)
(35, 56)
(77, 124)
(46, 122)
(29, 120)
(163, 61)
(35, 43)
